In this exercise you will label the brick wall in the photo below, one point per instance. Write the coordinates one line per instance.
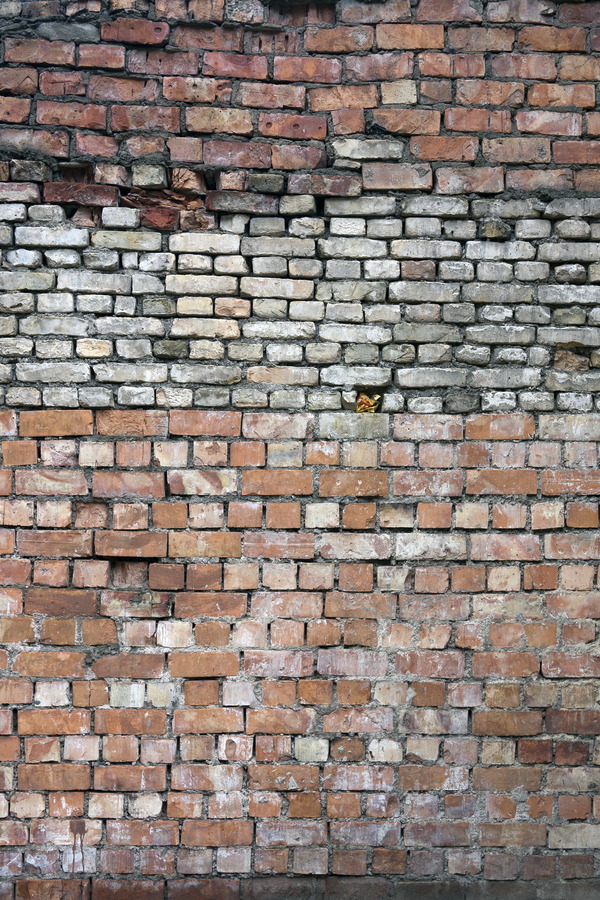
(256, 644)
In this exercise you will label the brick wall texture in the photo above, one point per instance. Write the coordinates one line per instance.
(257, 644)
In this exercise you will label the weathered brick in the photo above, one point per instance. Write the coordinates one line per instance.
(342, 39)
(342, 97)
(138, 118)
(300, 68)
(233, 65)
(52, 53)
(135, 31)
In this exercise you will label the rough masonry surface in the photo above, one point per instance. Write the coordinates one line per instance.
(255, 644)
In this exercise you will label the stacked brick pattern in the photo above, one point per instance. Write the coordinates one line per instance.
(265, 643)
(124, 316)
(255, 644)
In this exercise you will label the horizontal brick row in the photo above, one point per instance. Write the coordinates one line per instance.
(412, 300)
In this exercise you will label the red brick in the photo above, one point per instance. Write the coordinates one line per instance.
(14, 571)
(135, 31)
(235, 65)
(391, 11)
(500, 427)
(565, 665)
(54, 543)
(584, 545)
(203, 665)
(14, 109)
(342, 39)
(62, 83)
(144, 485)
(207, 721)
(53, 721)
(130, 665)
(325, 185)
(379, 67)
(161, 62)
(38, 888)
(280, 721)
(552, 40)
(100, 56)
(437, 834)
(206, 544)
(78, 115)
(431, 663)
(50, 53)
(408, 121)
(84, 194)
(457, 65)
(343, 97)
(579, 721)
(348, 121)
(498, 481)
(388, 862)
(537, 66)
(54, 143)
(54, 777)
(544, 122)
(232, 121)
(410, 37)
(581, 95)
(301, 68)
(212, 888)
(129, 721)
(505, 723)
(209, 38)
(105, 889)
(579, 152)
(237, 154)
(505, 547)
(95, 145)
(272, 96)
(512, 834)
(217, 834)
(481, 39)
(293, 127)
(352, 483)
(287, 156)
(447, 11)
(507, 665)
(131, 422)
(573, 14)
(466, 180)
(493, 93)
(477, 120)
(110, 87)
(455, 149)
(55, 423)
(142, 118)
(506, 778)
(579, 68)
(19, 80)
(130, 778)
(60, 602)
(423, 484)
(279, 545)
